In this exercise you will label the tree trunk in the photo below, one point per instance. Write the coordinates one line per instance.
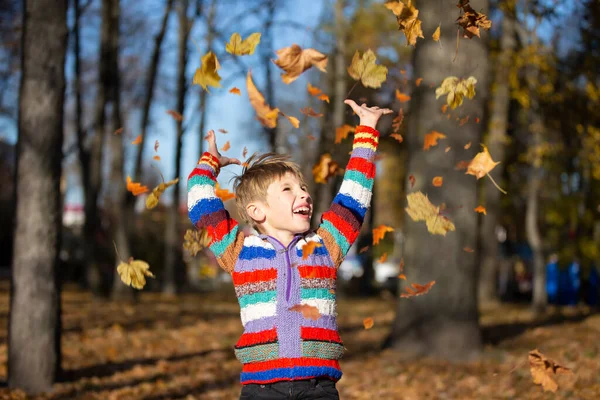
(210, 20)
(34, 318)
(275, 143)
(496, 142)
(118, 195)
(173, 244)
(92, 167)
(444, 322)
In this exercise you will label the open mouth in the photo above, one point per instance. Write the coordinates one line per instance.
(302, 211)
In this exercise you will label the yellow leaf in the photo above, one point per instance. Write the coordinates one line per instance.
(456, 89)
(235, 90)
(294, 121)
(431, 139)
(195, 240)
(481, 164)
(407, 17)
(342, 132)
(420, 209)
(265, 114)
(136, 188)
(294, 61)
(436, 34)
(134, 273)
(325, 168)
(379, 233)
(137, 140)
(544, 370)
(239, 47)
(402, 98)
(365, 70)
(152, 200)
(309, 248)
(207, 74)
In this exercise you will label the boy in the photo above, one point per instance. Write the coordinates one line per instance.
(286, 355)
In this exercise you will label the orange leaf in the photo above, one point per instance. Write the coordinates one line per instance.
(397, 122)
(157, 158)
(477, 120)
(438, 181)
(363, 249)
(313, 90)
(235, 90)
(402, 276)
(412, 181)
(226, 146)
(543, 370)
(136, 188)
(368, 323)
(223, 194)
(402, 71)
(431, 139)
(309, 248)
(397, 136)
(342, 132)
(401, 264)
(444, 108)
(468, 146)
(137, 140)
(294, 61)
(418, 82)
(402, 98)
(176, 116)
(468, 249)
(325, 168)
(482, 164)
(383, 258)
(436, 34)
(379, 233)
(463, 164)
(118, 131)
(418, 289)
(223, 131)
(308, 311)
(265, 114)
(481, 209)
(308, 111)
(156, 144)
(323, 97)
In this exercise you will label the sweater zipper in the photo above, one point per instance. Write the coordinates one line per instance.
(289, 267)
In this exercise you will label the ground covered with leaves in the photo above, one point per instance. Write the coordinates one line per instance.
(182, 348)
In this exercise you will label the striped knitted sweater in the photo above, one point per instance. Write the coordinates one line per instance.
(269, 278)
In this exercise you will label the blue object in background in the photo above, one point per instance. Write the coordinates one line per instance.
(552, 277)
(574, 284)
(593, 287)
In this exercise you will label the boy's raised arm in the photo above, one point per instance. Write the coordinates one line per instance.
(206, 210)
(341, 224)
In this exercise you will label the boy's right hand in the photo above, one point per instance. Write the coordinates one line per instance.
(212, 149)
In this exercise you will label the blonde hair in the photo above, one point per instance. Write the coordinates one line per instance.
(260, 170)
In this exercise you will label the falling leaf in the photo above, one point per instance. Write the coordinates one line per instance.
(136, 188)
(265, 114)
(311, 137)
(207, 74)
(477, 120)
(480, 209)
(444, 108)
(437, 181)
(397, 137)
(342, 132)
(235, 90)
(402, 98)
(406, 15)
(417, 290)
(294, 121)
(412, 181)
(294, 61)
(383, 258)
(176, 116)
(152, 200)
(309, 248)
(308, 311)
(308, 111)
(471, 20)
(447, 149)
(195, 240)
(456, 89)
(379, 233)
(223, 131)
(418, 82)
(156, 144)
(325, 168)
(468, 249)
(402, 276)
(468, 146)
(463, 121)
(313, 90)
(226, 146)
(368, 323)
(137, 140)
(365, 70)
(482, 164)
(244, 152)
(223, 194)
(323, 97)
(436, 34)
(420, 209)
(397, 122)
(118, 131)
(239, 47)
(431, 139)
(157, 158)
(544, 370)
(463, 164)
(134, 273)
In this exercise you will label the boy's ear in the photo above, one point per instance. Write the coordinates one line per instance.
(256, 212)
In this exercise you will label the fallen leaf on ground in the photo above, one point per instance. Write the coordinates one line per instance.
(544, 370)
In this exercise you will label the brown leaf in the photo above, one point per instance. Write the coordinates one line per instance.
(417, 289)
(379, 233)
(467, 146)
(294, 61)
(368, 323)
(397, 121)
(471, 20)
(311, 137)
(176, 116)
(412, 181)
(308, 111)
(468, 249)
(308, 311)
(406, 15)
(463, 121)
(463, 164)
(156, 144)
(431, 139)
(244, 152)
(157, 158)
(544, 370)
(447, 149)
(223, 131)
(418, 82)
(401, 266)
(118, 131)
(363, 249)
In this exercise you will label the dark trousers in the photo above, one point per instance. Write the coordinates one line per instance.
(307, 389)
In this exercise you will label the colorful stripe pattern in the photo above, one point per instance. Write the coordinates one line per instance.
(277, 343)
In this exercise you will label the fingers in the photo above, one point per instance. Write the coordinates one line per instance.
(386, 111)
(212, 143)
(235, 161)
(352, 104)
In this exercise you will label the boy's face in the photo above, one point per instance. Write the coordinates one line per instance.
(288, 208)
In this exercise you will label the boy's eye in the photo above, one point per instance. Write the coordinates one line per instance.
(286, 188)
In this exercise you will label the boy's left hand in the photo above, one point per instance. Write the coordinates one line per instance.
(368, 115)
